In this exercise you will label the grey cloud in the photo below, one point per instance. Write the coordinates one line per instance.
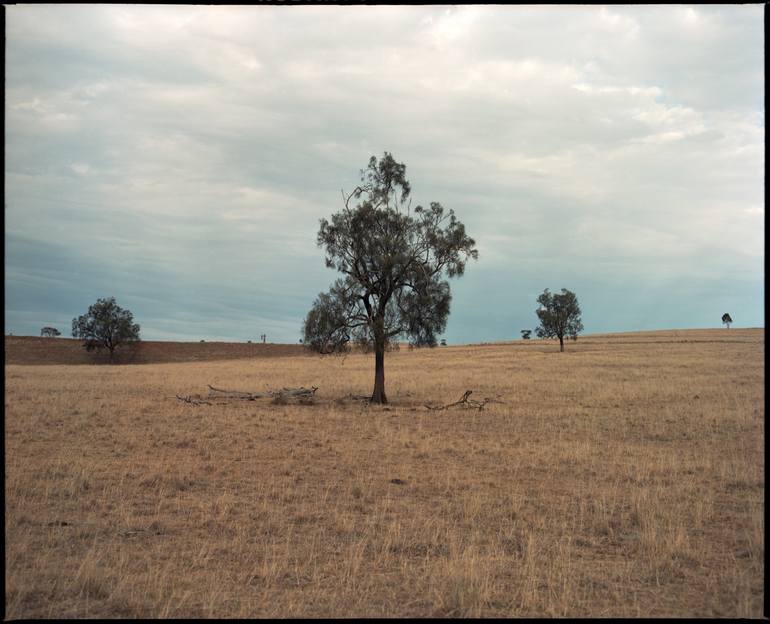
(187, 152)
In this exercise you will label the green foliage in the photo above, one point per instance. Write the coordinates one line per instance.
(105, 325)
(393, 261)
(559, 316)
(727, 320)
(50, 332)
(326, 329)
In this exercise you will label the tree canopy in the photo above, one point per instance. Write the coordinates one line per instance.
(727, 320)
(105, 326)
(393, 260)
(559, 316)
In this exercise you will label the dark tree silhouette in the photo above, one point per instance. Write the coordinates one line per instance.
(393, 260)
(559, 316)
(105, 326)
(50, 332)
(526, 333)
(727, 320)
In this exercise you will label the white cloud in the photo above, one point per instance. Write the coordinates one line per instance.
(452, 26)
(618, 24)
(81, 168)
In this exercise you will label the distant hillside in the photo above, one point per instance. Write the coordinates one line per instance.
(34, 350)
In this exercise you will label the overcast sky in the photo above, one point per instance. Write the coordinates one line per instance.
(179, 158)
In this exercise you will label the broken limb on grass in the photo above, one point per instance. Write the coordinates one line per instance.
(304, 396)
(236, 394)
(194, 401)
(465, 402)
(283, 393)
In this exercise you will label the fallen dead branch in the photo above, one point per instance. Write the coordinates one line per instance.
(296, 393)
(304, 396)
(236, 394)
(464, 402)
(194, 401)
(301, 394)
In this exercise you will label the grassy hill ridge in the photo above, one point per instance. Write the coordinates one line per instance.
(34, 350)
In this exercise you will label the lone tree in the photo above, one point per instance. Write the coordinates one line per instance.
(526, 333)
(727, 320)
(559, 316)
(50, 332)
(105, 326)
(393, 260)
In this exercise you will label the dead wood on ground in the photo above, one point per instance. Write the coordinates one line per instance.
(303, 396)
(286, 393)
(193, 400)
(465, 402)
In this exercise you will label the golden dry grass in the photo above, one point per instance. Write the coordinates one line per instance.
(624, 477)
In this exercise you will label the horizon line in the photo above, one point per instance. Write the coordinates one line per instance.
(456, 344)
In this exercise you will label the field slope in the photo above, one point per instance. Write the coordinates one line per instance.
(623, 477)
(33, 350)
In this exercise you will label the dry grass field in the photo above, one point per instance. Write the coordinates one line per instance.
(624, 477)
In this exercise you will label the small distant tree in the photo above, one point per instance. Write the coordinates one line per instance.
(526, 333)
(727, 320)
(559, 316)
(443, 342)
(50, 332)
(105, 326)
(393, 260)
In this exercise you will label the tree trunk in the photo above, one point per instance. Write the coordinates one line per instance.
(378, 395)
(561, 343)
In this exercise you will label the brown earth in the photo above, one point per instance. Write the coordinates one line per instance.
(34, 350)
